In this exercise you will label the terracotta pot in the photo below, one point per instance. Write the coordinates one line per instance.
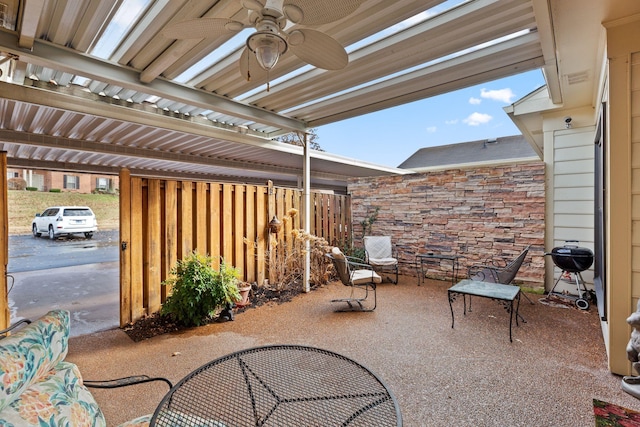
(244, 289)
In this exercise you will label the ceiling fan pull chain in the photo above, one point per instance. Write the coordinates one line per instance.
(248, 70)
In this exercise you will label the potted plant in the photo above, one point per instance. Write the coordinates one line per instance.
(199, 291)
(244, 288)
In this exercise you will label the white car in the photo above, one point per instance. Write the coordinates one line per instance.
(65, 220)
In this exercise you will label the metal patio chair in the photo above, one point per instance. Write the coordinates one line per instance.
(360, 277)
(497, 270)
(380, 254)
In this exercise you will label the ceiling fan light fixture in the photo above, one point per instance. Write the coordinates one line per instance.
(268, 47)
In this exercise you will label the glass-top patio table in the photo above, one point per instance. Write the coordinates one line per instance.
(433, 258)
(279, 385)
(506, 294)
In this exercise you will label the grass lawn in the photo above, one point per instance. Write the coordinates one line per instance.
(23, 206)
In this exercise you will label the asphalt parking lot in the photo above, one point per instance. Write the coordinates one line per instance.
(80, 275)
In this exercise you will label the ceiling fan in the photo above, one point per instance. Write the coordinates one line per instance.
(271, 40)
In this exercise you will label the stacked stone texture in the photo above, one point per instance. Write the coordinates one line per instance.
(479, 213)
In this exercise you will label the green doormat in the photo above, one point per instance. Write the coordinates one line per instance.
(610, 415)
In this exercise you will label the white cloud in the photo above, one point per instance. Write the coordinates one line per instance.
(432, 129)
(452, 122)
(474, 101)
(477, 119)
(504, 95)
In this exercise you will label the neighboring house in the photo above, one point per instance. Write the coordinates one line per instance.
(487, 151)
(65, 181)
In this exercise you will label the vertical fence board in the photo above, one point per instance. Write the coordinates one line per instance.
(280, 209)
(332, 219)
(137, 250)
(227, 221)
(186, 219)
(238, 229)
(288, 225)
(348, 238)
(214, 224)
(126, 316)
(315, 214)
(272, 211)
(250, 233)
(262, 218)
(325, 217)
(153, 255)
(278, 254)
(170, 231)
(340, 222)
(200, 213)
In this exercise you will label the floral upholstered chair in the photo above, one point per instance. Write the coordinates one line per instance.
(38, 388)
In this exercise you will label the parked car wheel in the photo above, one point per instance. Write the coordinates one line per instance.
(34, 229)
(88, 235)
(52, 235)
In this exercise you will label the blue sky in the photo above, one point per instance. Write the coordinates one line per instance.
(389, 137)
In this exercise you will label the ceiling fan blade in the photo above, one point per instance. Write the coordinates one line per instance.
(255, 5)
(250, 69)
(317, 12)
(318, 49)
(201, 28)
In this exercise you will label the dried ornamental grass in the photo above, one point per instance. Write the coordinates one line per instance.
(285, 256)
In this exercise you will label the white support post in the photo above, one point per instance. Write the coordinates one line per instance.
(306, 170)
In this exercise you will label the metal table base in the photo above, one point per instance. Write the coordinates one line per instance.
(505, 294)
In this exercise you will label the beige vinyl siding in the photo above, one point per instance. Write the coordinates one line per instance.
(623, 160)
(573, 193)
(635, 175)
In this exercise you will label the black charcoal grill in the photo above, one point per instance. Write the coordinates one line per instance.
(572, 260)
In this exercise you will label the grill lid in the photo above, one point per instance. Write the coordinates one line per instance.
(572, 258)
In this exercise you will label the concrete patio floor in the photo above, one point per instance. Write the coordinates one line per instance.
(468, 376)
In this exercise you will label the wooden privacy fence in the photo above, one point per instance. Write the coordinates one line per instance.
(162, 221)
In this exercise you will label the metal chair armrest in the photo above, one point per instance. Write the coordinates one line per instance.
(355, 259)
(126, 381)
(359, 265)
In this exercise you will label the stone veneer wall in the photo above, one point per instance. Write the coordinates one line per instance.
(481, 212)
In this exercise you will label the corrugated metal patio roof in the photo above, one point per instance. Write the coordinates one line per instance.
(82, 93)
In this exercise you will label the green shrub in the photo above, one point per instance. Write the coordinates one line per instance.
(31, 188)
(199, 290)
(55, 190)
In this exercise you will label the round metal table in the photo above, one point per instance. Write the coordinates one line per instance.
(279, 385)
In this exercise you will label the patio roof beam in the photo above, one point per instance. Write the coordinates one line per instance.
(85, 103)
(169, 174)
(65, 144)
(62, 59)
(28, 24)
